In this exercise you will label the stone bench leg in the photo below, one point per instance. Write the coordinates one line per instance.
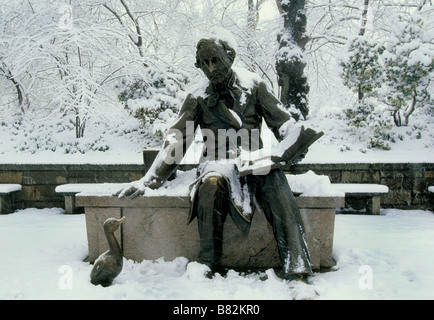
(2, 204)
(70, 203)
(373, 206)
(6, 203)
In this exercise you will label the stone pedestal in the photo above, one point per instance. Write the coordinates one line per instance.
(157, 227)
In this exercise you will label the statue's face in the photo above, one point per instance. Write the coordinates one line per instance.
(215, 63)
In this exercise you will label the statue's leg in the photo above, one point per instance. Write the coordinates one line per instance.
(280, 207)
(211, 216)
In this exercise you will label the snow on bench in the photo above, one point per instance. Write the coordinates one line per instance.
(361, 188)
(71, 189)
(311, 184)
(7, 197)
(9, 188)
(308, 184)
(370, 192)
(431, 189)
(179, 187)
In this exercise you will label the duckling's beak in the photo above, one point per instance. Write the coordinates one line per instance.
(121, 220)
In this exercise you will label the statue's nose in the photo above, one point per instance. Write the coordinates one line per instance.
(211, 67)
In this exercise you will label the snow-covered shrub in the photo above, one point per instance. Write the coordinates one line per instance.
(397, 75)
(363, 73)
(361, 68)
(409, 65)
(154, 99)
(54, 135)
(358, 116)
(371, 123)
(381, 133)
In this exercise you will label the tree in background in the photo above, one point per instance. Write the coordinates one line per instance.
(290, 62)
(65, 63)
(391, 75)
(362, 72)
(401, 66)
(157, 101)
(361, 69)
(409, 65)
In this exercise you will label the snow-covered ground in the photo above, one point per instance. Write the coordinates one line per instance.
(378, 257)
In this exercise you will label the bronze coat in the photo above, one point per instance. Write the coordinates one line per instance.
(212, 109)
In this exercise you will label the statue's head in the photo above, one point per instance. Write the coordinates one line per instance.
(215, 58)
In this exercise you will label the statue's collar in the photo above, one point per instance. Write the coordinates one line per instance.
(223, 90)
(224, 86)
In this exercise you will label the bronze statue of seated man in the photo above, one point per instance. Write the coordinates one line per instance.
(235, 102)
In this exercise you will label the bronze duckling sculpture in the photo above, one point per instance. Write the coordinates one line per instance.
(109, 264)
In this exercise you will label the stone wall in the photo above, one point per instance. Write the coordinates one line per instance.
(408, 182)
(39, 181)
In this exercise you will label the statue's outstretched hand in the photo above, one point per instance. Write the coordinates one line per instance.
(136, 189)
(131, 191)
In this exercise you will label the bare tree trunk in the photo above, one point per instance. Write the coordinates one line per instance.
(138, 42)
(290, 62)
(79, 127)
(251, 27)
(401, 116)
(20, 93)
(252, 14)
(364, 18)
(18, 87)
(252, 24)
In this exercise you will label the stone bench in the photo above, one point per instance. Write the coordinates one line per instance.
(69, 191)
(369, 193)
(7, 197)
(431, 192)
(156, 226)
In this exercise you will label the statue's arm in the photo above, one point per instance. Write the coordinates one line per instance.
(271, 109)
(293, 137)
(177, 140)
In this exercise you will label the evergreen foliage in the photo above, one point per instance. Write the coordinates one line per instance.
(156, 98)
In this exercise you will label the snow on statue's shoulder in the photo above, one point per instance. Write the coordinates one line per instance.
(246, 78)
(199, 90)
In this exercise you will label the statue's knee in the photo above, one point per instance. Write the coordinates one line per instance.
(213, 184)
(214, 180)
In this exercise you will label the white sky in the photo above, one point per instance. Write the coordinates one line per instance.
(269, 11)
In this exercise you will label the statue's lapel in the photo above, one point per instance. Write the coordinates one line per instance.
(239, 104)
(214, 105)
(229, 116)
